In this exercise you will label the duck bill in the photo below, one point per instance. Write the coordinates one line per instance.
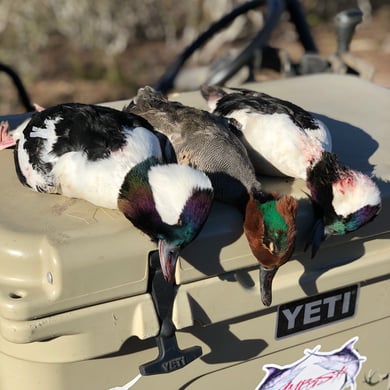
(317, 236)
(266, 278)
(168, 254)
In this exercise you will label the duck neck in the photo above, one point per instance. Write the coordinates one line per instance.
(135, 198)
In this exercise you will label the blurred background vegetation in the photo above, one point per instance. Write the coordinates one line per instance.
(93, 51)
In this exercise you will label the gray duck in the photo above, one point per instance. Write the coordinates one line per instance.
(211, 144)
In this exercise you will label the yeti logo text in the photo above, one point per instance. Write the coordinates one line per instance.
(314, 311)
(174, 364)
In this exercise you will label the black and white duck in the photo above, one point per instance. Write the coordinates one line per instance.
(290, 141)
(117, 160)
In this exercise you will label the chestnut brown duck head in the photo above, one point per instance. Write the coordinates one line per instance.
(270, 230)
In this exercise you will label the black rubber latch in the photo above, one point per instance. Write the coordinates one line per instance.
(170, 357)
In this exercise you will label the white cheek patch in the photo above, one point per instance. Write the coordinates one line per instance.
(172, 185)
(354, 191)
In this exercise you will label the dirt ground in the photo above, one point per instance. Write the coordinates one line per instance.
(145, 62)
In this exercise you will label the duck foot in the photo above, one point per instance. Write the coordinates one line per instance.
(9, 136)
(170, 357)
(266, 278)
(38, 108)
(6, 139)
(317, 236)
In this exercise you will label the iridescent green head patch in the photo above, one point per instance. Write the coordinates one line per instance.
(275, 226)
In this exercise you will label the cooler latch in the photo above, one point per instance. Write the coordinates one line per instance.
(170, 356)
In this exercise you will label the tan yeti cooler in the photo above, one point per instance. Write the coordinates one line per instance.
(76, 309)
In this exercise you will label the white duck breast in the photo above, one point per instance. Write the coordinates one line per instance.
(99, 181)
(279, 141)
(170, 200)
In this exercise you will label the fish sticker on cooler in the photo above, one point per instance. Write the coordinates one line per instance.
(334, 370)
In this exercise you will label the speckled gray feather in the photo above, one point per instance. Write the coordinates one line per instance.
(201, 140)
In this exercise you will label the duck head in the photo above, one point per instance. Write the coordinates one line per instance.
(168, 202)
(344, 199)
(270, 229)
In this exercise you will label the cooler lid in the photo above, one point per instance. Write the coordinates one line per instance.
(58, 254)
